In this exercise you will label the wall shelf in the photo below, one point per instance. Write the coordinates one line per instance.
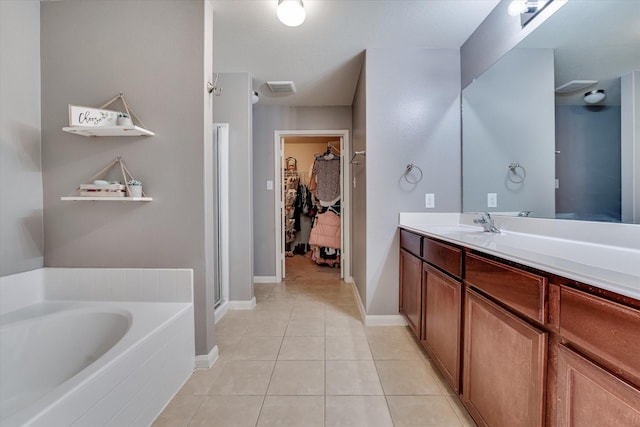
(108, 130)
(106, 199)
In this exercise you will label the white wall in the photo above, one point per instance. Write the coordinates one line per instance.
(412, 116)
(506, 121)
(234, 107)
(266, 120)
(21, 229)
(154, 53)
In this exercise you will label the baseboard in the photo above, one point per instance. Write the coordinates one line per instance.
(243, 305)
(221, 310)
(363, 313)
(376, 319)
(205, 361)
(265, 279)
(385, 320)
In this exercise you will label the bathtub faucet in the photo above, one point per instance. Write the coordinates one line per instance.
(486, 222)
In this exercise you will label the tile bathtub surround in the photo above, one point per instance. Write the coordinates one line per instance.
(119, 284)
(303, 358)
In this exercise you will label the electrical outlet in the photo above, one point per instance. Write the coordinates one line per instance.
(557, 183)
(492, 200)
(269, 184)
(429, 200)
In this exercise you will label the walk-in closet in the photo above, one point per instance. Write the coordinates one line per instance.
(312, 199)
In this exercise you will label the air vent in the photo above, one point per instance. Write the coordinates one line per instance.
(574, 86)
(282, 87)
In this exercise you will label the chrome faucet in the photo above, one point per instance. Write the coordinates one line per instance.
(486, 222)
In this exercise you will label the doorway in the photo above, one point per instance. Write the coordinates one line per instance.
(292, 235)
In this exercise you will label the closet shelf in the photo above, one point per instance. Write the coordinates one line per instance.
(108, 130)
(106, 199)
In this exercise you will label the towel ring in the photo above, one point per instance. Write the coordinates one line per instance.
(411, 167)
(513, 172)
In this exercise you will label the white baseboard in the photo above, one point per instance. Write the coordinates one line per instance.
(385, 320)
(243, 305)
(376, 319)
(265, 279)
(205, 361)
(221, 310)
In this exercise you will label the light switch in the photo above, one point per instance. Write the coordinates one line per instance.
(429, 200)
(492, 200)
(269, 184)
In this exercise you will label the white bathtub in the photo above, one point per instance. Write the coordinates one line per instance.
(93, 362)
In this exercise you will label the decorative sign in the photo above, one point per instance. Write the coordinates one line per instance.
(88, 116)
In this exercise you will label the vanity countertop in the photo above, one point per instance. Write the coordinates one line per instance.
(602, 264)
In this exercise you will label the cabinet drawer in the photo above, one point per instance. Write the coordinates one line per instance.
(523, 291)
(444, 256)
(606, 329)
(411, 242)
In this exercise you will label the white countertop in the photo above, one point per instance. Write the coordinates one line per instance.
(603, 255)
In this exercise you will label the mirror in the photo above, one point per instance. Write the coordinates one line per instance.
(531, 143)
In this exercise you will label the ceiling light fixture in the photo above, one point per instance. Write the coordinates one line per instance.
(518, 7)
(291, 12)
(594, 96)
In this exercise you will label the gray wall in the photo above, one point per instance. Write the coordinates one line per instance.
(497, 34)
(153, 52)
(266, 120)
(588, 136)
(21, 230)
(505, 121)
(412, 116)
(234, 107)
(359, 190)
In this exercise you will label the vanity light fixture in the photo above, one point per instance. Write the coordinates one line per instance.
(594, 96)
(291, 12)
(526, 9)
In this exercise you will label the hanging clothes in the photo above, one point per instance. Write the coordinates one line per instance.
(326, 231)
(326, 169)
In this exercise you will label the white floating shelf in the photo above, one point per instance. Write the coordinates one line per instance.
(106, 199)
(108, 130)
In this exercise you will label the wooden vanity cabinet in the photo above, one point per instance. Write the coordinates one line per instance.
(591, 396)
(522, 347)
(504, 366)
(441, 321)
(431, 299)
(411, 290)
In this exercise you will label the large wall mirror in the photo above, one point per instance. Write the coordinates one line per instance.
(534, 145)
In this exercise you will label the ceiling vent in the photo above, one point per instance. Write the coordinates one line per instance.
(282, 87)
(574, 86)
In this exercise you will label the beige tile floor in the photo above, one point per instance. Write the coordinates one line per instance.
(303, 358)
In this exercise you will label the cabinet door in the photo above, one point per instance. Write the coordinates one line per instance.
(590, 396)
(411, 290)
(504, 366)
(441, 318)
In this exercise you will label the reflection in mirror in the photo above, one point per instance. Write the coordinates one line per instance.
(575, 160)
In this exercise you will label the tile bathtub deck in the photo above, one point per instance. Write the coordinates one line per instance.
(303, 358)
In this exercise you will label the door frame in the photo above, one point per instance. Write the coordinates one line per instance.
(345, 202)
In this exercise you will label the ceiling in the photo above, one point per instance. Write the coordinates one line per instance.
(324, 55)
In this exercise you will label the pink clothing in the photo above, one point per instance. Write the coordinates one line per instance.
(326, 231)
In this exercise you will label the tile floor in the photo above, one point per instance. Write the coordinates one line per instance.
(303, 358)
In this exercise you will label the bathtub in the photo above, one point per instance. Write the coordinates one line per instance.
(70, 358)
